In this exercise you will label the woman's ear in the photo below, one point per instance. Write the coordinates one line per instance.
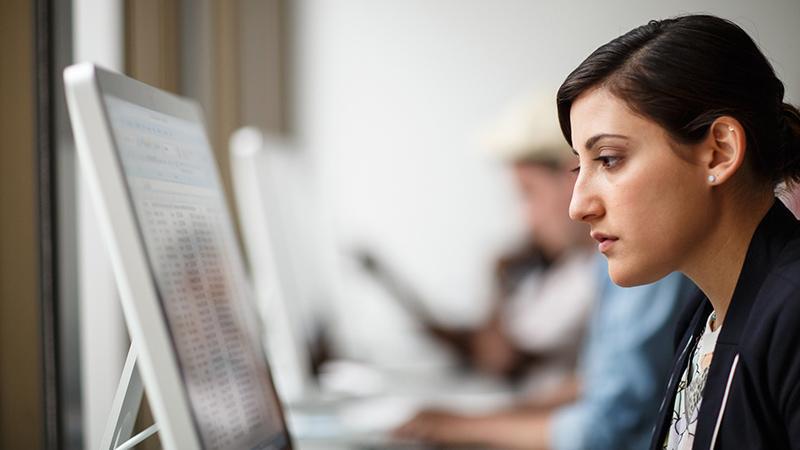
(724, 149)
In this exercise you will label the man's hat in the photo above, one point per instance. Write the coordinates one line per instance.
(528, 131)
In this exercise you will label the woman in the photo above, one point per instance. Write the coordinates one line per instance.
(682, 138)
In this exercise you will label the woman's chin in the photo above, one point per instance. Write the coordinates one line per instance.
(630, 275)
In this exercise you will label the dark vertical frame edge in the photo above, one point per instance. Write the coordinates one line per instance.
(46, 182)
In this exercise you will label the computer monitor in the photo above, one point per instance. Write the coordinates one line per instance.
(186, 301)
(274, 217)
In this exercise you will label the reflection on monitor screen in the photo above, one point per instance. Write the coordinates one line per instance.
(174, 187)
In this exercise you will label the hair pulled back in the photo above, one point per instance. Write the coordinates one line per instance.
(684, 73)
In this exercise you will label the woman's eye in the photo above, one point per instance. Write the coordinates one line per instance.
(608, 162)
(576, 170)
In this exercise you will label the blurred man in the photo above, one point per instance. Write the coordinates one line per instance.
(543, 298)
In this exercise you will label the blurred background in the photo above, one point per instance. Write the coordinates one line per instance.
(382, 106)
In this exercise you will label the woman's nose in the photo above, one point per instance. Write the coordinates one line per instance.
(585, 204)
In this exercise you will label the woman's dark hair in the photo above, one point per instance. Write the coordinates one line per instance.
(684, 73)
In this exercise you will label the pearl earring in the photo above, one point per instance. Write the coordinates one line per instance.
(730, 128)
(712, 178)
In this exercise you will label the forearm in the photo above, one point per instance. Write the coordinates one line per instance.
(564, 394)
(513, 430)
(508, 429)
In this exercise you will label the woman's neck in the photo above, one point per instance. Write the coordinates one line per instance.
(717, 263)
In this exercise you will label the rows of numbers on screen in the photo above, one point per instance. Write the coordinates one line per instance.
(212, 347)
(168, 167)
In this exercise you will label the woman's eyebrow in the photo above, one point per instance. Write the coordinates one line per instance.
(592, 141)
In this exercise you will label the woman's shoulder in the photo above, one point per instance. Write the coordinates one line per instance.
(772, 334)
(778, 249)
(774, 322)
(783, 281)
(788, 263)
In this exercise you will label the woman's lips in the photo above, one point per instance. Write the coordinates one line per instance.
(605, 241)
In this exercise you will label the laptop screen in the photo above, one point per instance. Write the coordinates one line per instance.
(193, 256)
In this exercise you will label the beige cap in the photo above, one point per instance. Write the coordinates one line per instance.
(528, 130)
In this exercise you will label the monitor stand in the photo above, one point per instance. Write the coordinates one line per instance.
(125, 408)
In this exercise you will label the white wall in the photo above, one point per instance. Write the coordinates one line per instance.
(390, 97)
(98, 37)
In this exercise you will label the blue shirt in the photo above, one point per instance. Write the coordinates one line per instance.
(624, 368)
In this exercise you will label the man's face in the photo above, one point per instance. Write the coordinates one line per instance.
(546, 195)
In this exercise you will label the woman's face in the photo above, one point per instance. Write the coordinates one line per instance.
(648, 208)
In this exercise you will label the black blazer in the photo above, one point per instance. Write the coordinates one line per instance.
(751, 399)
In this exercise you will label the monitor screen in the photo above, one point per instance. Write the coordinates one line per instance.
(193, 256)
